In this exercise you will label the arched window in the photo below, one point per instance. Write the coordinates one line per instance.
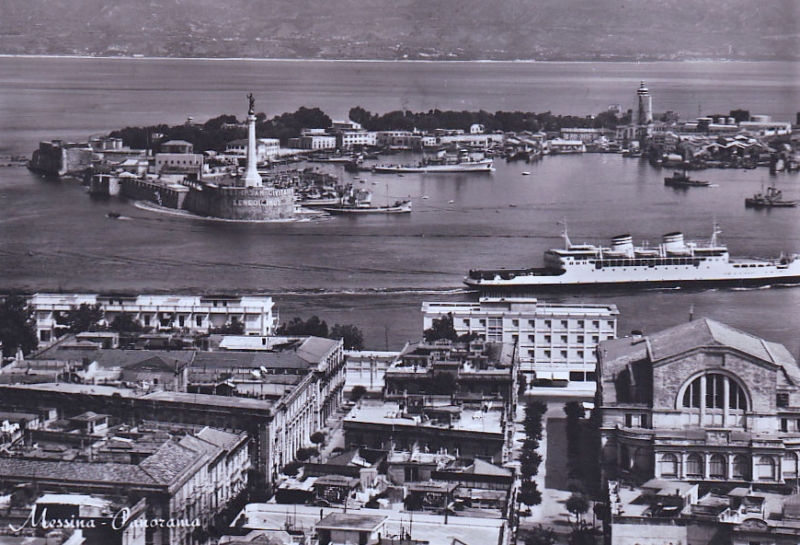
(789, 465)
(765, 468)
(714, 399)
(669, 465)
(741, 467)
(717, 467)
(694, 465)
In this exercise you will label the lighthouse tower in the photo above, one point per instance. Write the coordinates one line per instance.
(644, 113)
(251, 177)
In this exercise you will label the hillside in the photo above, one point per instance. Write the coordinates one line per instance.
(414, 29)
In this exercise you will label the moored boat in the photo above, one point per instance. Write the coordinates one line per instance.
(674, 263)
(400, 207)
(773, 198)
(442, 163)
(681, 179)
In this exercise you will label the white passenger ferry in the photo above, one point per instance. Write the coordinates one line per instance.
(674, 263)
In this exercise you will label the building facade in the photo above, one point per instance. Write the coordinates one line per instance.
(554, 342)
(700, 402)
(160, 312)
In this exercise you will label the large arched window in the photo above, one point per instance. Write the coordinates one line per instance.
(766, 468)
(714, 399)
(669, 465)
(741, 467)
(694, 466)
(789, 465)
(717, 467)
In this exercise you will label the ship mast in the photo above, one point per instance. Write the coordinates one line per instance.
(713, 242)
(565, 234)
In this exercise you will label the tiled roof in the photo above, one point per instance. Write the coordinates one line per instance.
(219, 438)
(169, 462)
(113, 473)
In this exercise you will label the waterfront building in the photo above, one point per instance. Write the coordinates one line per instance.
(555, 342)
(160, 312)
(179, 163)
(266, 148)
(177, 146)
(367, 368)
(701, 402)
(313, 141)
(59, 158)
(561, 146)
(584, 135)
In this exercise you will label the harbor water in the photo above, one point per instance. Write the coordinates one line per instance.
(375, 271)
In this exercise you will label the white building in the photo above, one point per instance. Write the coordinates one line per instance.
(555, 342)
(266, 148)
(179, 162)
(161, 312)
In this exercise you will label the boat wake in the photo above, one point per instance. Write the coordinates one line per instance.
(369, 291)
(755, 288)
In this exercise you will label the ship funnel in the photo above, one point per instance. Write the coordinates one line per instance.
(673, 243)
(622, 244)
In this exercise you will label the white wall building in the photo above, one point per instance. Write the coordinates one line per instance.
(555, 342)
(179, 162)
(161, 312)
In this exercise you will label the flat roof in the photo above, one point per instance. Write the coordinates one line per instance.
(389, 414)
(351, 521)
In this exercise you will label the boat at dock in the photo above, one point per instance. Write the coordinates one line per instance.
(672, 264)
(399, 207)
(681, 179)
(442, 163)
(772, 198)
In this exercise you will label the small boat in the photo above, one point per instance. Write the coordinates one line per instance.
(773, 198)
(424, 197)
(400, 207)
(450, 202)
(114, 215)
(526, 173)
(681, 179)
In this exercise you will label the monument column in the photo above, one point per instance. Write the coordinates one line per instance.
(251, 177)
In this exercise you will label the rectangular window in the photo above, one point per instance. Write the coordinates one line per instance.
(198, 320)
(580, 354)
(595, 339)
(782, 400)
(563, 353)
(531, 323)
(580, 323)
(576, 376)
(547, 323)
(628, 420)
(644, 423)
(595, 323)
(564, 323)
(580, 338)
(564, 339)
(547, 353)
(784, 424)
(548, 339)
(591, 376)
(515, 323)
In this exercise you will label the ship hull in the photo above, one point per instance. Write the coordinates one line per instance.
(479, 166)
(597, 287)
(524, 282)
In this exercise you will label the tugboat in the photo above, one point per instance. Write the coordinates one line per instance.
(681, 179)
(773, 198)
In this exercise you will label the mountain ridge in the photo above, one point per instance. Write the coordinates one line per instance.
(567, 30)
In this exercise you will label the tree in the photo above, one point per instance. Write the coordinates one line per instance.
(441, 328)
(313, 326)
(291, 469)
(17, 326)
(304, 454)
(318, 437)
(578, 505)
(529, 493)
(125, 323)
(86, 317)
(539, 536)
(234, 327)
(357, 393)
(534, 414)
(522, 384)
(352, 336)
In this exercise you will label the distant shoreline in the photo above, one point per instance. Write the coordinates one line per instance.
(400, 61)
